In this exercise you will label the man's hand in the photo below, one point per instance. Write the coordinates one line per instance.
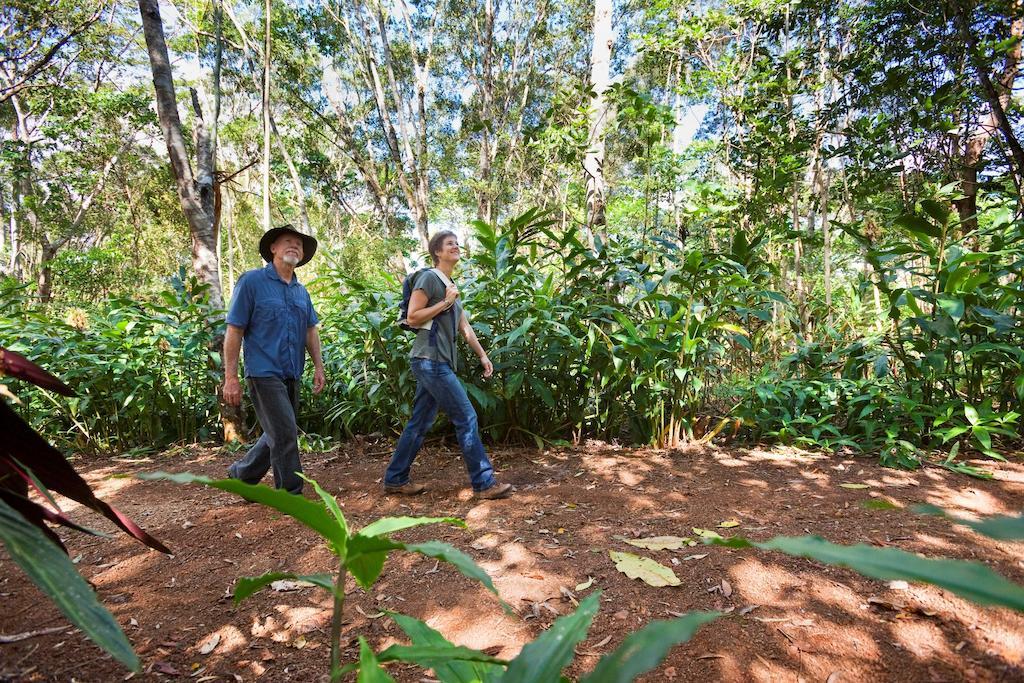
(232, 391)
(488, 366)
(319, 380)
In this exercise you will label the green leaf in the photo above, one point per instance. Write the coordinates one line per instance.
(250, 584)
(369, 668)
(969, 580)
(879, 504)
(642, 651)
(332, 505)
(446, 669)
(647, 570)
(545, 657)
(52, 571)
(366, 557)
(389, 525)
(429, 656)
(455, 557)
(937, 211)
(298, 508)
(952, 305)
(919, 225)
(1002, 528)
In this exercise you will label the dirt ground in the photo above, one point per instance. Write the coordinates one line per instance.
(788, 619)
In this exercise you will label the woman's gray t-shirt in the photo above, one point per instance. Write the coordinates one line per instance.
(447, 323)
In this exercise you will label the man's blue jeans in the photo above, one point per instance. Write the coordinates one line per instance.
(276, 402)
(438, 387)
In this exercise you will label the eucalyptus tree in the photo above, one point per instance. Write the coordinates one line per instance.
(196, 190)
(603, 39)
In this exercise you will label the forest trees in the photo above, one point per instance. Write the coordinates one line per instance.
(778, 149)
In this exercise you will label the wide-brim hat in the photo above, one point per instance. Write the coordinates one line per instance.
(308, 243)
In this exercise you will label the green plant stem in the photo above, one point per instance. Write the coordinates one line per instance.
(339, 606)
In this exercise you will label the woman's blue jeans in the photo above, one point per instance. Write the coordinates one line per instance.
(438, 387)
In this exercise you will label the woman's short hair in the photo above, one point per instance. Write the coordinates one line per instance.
(437, 241)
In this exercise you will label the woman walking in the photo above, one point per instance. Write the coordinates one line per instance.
(437, 315)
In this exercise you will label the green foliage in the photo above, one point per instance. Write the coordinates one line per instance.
(145, 373)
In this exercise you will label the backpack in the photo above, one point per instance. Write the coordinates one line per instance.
(403, 306)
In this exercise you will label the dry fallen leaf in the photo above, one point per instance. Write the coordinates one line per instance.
(726, 588)
(854, 486)
(210, 644)
(585, 585)
(657, 542)
(166, 669)
(378, 615)
(645, 569)
(729, 524)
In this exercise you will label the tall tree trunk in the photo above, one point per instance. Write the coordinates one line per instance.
(485, 194)
(197, 194)
(200, 221)
(997, 94)
(266, 114)
(826, 233)
(593, 162)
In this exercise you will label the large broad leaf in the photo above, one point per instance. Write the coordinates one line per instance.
(50, 569)
(369, 667)
(969, 580)
(250, 584)
(458, 559)
(642, 651)
(298, 508)
(52, 471)
(332, 505)
(366, 556)
(645, 569)
(450, 670)
(919, 225)
(432, 656)
(1002, 528)
(544, 658)
(389, 525)
(16, 365)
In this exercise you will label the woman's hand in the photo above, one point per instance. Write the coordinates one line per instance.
(450, 295)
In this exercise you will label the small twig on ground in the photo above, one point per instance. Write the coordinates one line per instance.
(18, 637)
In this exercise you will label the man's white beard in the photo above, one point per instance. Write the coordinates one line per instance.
(290, 259)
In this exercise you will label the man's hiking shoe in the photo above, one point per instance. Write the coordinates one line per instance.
(408, 489)
(495, 492)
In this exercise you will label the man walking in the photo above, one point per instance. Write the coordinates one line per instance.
(271, 317)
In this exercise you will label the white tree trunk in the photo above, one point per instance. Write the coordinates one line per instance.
(593, 162)
(266, 117)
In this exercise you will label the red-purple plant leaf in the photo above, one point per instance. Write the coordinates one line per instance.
(16, 365)
(38, 515)
(22, 444)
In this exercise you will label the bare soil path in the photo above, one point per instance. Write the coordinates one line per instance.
(789, 619)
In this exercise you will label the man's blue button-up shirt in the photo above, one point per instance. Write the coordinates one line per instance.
(275, 316)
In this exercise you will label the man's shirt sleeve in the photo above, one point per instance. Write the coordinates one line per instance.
(240, 311)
